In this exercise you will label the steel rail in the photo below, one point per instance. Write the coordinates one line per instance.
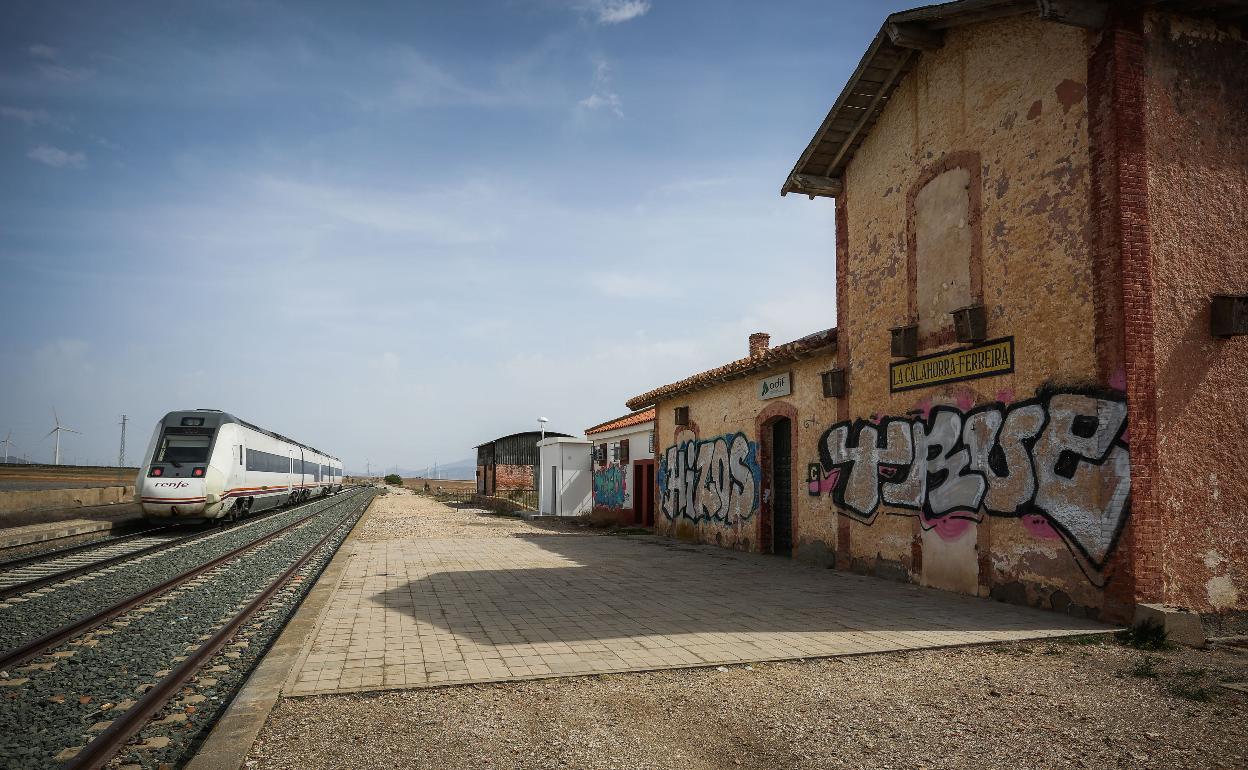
(19, 655)
(104, 746)
(22, 561)
(82, 569)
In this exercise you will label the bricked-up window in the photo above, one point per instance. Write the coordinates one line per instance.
(682, 415)
(942, 242)
(623, 451)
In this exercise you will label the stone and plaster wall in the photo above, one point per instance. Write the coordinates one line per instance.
(1196, 118)
(973, 187)
(718, 498)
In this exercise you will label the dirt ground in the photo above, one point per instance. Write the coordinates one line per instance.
(402, 513)
(1082, 703)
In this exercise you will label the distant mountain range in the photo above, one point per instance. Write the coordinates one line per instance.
(458, 469)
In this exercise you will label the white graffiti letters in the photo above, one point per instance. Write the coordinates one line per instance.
(712, 480)
(1061, 455)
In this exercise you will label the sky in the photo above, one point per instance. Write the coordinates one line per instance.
(396, 230)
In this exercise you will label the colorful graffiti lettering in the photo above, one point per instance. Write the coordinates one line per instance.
(610, 487)
(1062, 456)
(713, 480)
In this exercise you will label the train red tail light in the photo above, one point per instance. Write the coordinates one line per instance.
(197, 472)
(156, 472)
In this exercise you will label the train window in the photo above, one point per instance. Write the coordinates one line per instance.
(183, 449)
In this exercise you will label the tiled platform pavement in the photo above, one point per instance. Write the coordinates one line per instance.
(422, 612)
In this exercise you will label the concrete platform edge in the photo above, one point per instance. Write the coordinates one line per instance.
(226, 747)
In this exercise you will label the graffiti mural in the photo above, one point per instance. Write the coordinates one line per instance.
(1062, 456)
(610, 487)
(712, 480)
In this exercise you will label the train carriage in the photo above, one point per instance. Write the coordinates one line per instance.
(208, 464)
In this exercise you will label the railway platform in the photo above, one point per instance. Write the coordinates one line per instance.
(422, 595)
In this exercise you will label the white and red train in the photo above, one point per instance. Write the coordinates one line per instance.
(211, 465)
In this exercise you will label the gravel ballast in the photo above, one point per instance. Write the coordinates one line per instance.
(29, 616)
(60, 701)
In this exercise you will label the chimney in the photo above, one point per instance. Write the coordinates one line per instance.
(759, 342)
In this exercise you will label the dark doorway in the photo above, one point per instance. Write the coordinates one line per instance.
(643, 494)
(782, 486)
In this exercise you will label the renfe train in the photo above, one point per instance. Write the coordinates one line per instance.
(209, 464)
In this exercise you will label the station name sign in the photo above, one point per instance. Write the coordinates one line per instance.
(775, 387)
(983, 360)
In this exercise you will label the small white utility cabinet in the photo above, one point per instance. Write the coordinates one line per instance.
(564, 478)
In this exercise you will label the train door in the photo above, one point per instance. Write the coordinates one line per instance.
(291, 478)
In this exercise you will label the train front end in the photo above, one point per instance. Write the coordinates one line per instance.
(177, 479)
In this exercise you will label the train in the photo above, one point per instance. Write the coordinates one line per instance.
(208, 464)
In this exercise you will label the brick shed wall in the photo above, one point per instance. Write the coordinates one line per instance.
(721, 413)
(1004, 105)
(513, 477)
(1196, 92)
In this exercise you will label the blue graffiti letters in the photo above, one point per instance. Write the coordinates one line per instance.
(712, 480)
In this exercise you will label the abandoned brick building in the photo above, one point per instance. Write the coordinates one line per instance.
(1035, 386)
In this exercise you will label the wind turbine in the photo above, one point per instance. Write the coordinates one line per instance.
(7, 444)
(58, 430)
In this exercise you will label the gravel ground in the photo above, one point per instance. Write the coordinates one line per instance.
(1025, 705)
(404, 514)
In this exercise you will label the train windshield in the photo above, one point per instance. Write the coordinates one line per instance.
(183, 449)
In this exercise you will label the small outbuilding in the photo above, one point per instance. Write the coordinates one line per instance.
(509, 463)
(623, 463)
(564, 478)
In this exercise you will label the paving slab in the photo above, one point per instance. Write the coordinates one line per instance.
(424, 612)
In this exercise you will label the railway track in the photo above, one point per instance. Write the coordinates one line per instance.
(79, 692)
(32, 573)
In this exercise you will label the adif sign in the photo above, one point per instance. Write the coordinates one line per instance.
(774, 387)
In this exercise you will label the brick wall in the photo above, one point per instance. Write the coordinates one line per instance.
(513, 477)
(1192, 79)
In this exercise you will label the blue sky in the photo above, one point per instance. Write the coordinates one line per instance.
(395, 230)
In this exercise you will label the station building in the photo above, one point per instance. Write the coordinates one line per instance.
(728, 440)
(624, 469)
(1035, 387)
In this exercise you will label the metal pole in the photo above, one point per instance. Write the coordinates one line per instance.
(121, 455)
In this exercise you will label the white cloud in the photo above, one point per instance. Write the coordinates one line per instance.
(387, 362)
(603, 97)
(29, 117)
(63, 74)
(610, 101)
(624, 286)
(56, 157)
(40, 51)
(618, 11)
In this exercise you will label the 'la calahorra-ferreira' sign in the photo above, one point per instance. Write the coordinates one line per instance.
(774, 387)
(982, 360)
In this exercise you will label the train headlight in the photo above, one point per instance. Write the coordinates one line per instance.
(197, 472)
(156, 472)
